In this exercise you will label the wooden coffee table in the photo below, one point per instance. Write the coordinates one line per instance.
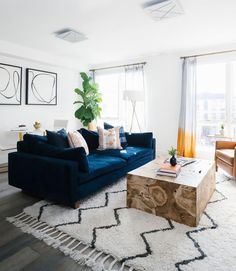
(182, 199)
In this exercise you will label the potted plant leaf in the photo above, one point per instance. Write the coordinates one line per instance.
(90, 100)
(172, 152)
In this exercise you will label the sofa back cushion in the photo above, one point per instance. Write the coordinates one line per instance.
(91, 138)
(58, 139)
(123, 140)
(28, 141)
(73, 154)
(140, 139)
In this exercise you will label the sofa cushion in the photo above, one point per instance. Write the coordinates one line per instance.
(58, 139)
(91, 137)
(123, 140)
(133, 153)
(73, 154)
(139, 139)
(100, 165)
(129, 153)
(227, 155)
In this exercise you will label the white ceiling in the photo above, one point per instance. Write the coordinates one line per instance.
(116, 30)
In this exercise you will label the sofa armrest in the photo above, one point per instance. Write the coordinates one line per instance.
(140, 139)
(49, 178)
(225, 145)
(154, 147)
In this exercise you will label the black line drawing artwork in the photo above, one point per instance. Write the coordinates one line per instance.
(10, 84)
(41, 87)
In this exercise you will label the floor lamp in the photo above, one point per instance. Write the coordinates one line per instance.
(134, 96)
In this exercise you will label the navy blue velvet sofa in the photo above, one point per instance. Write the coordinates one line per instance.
(62, 181)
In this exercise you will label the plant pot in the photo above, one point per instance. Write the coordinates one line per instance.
(173, 161)
(92, 126)
(222, 132)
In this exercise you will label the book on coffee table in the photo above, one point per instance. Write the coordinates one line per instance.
(182, 161)
(167, 169)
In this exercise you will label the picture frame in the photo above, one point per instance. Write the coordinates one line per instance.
(10, 84)
(41, 87)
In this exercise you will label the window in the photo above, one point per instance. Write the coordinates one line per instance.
(216, 101)
(112, 83)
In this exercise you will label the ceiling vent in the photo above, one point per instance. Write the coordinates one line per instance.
(70, 35)
(163, 9)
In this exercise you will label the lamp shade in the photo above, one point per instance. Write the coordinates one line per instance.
(133, 95)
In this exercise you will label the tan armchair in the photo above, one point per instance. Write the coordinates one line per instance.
(225, 156)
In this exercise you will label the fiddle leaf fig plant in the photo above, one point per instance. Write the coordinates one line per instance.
(90, 100)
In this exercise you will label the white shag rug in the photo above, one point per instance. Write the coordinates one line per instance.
(105, 235)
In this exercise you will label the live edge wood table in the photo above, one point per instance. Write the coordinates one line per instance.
(182, 199)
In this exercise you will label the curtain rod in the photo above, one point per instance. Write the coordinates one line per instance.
(208, 54)
(119, 66)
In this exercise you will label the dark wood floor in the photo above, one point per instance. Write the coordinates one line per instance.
(20, 251)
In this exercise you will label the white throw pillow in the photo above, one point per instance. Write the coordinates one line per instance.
(109, 139)
(76, 140)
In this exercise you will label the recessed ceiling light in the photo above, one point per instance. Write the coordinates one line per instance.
(163, 9)
(70, 35)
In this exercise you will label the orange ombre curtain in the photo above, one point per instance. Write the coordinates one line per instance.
(186, 145)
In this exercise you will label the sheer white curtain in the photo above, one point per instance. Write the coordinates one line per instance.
(112, 84)
(187, 121)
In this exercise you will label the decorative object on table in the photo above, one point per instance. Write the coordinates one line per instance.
(109, 139)
(10, 84)
(172, 153)
(182, 161)
(41, 87)
(222, 129)
(134, 96)
(37, 125)
(167, 169)
(111, 227)
(21, 130)
(60, 124)
(90, 101)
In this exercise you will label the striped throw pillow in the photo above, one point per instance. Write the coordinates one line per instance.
(76, 140)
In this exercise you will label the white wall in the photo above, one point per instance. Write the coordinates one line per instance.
(163, 79)
(12, 115)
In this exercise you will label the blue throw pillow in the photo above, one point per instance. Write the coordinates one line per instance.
(72, 154)
(123, 140)
(58, 139)
(91, 138)
(28, 140)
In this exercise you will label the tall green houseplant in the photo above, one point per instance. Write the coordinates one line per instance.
(90, 100)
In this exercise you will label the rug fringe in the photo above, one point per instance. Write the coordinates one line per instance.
(78, 251)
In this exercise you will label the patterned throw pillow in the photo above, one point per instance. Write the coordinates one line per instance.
(123, 140)
(109, 139)
(76, 140)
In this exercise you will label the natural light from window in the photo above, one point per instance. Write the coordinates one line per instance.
(216, 103)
